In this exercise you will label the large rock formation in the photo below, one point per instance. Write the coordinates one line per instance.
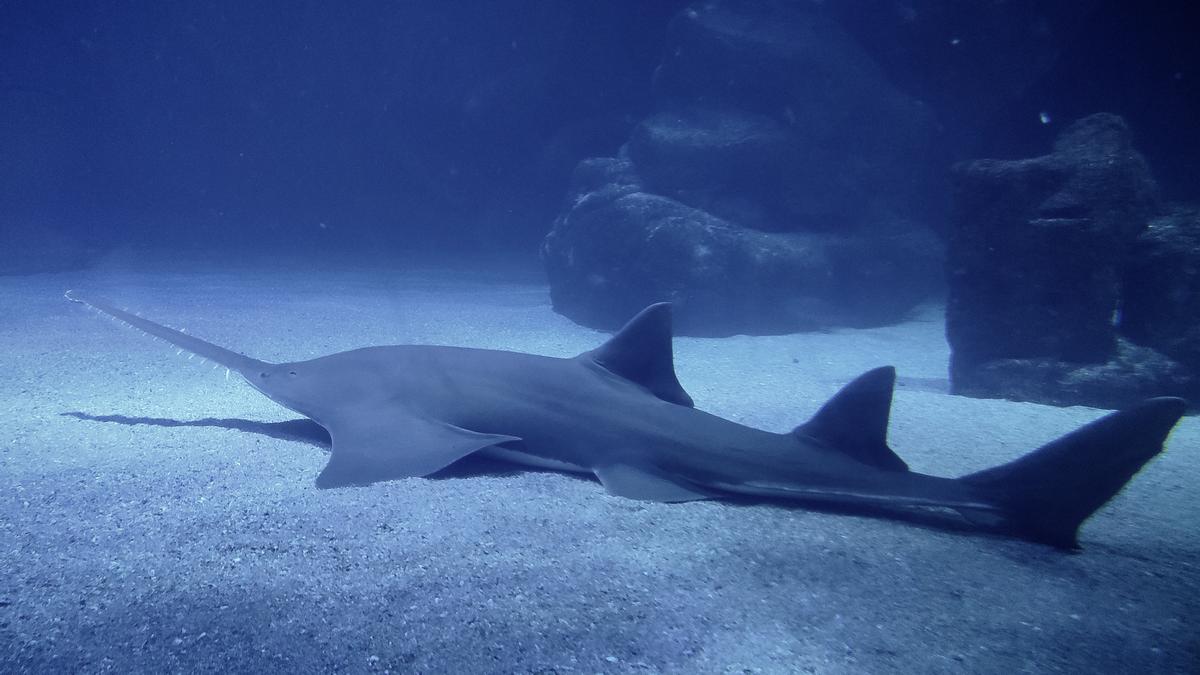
(1039, 265)
(774, 189)
(849, 149)
(1161, 302)
(619, 248)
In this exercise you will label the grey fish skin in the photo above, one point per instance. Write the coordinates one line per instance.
(619, 413)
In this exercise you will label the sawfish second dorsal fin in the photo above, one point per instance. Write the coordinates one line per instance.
(641, 353)
(854, 422)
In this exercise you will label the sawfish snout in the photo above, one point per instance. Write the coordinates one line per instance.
(284, 385)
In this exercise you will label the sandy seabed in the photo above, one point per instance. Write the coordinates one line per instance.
(156, 516)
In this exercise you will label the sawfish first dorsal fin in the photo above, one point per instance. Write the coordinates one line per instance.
(641, 353)
(855, 421)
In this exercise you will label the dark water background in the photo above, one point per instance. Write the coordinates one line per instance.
(455, 125)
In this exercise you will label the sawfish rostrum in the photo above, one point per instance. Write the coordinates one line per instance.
(618, 413)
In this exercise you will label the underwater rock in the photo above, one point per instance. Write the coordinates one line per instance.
(774, 189)
(854, 148)
(730, 163)
(1035, 262)
(618, 249)
(1131, 375)
(1161, 303)
(598, 180)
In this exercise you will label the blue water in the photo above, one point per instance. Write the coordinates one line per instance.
(457, 124)
(296, 179)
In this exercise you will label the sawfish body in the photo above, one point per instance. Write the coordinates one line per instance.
(576, 415)
(619, 413)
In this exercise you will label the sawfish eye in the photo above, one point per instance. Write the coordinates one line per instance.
(263, 375)
(292, 373)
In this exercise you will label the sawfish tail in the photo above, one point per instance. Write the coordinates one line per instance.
(1046, 495)
(231, 360)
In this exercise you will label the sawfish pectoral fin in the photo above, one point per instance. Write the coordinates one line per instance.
(647, 484)
(373, 447)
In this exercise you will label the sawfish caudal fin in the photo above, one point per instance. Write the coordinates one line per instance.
(1046, 495)
(641, 352)
(855, 421)
(231, 360)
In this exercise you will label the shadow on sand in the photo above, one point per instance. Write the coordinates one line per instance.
(311, 433)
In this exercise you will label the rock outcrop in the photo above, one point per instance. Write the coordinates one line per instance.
(1161, 301)
(775, 189)
(620, 248)
(1047, 268)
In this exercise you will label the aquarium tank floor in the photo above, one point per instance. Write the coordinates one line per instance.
(158, 516)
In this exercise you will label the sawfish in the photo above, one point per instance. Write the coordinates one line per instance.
(619, 413)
